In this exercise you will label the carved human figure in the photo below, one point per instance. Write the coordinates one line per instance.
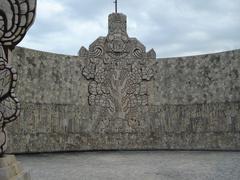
(16, 16)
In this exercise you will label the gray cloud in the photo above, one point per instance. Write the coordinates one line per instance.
(172, 28)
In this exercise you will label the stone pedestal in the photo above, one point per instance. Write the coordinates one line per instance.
(11, 169)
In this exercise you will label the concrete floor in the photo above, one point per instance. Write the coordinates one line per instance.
(145, 165)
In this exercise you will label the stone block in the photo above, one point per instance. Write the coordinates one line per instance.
(11, 169)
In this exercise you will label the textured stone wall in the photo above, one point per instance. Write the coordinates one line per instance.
(193, 104)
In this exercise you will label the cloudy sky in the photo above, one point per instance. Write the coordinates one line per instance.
(171, 27)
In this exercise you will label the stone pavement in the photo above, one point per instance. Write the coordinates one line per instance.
(134, 165)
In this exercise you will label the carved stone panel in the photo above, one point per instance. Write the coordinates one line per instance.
(118, 69)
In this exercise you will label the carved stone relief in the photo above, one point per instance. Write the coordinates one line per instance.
(16, 16)
(118, 69)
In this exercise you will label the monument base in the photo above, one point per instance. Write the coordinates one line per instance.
(11, 169)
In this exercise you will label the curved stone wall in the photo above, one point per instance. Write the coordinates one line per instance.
(193, 104)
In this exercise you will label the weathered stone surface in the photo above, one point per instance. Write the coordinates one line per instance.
(134, 165)
(56, 115)
(200, 79)
(72, 103)
(15, 18)
(118, 70)
(11, 169)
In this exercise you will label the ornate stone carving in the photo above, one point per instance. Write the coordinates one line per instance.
(118, 69)
(16, 16)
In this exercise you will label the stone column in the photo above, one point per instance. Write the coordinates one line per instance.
(16, 16)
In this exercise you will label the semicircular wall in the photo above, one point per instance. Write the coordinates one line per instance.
(193, 104)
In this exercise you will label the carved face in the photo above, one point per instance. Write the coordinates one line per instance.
(117, 45)
(117, 42)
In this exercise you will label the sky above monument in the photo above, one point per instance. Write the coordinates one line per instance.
(172, 28)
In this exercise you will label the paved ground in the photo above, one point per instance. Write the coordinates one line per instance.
(153, 165)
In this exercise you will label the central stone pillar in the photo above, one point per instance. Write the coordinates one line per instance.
(117, 22)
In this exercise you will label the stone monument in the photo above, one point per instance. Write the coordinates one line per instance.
(16, 16)
(117, 96)
(118, 69)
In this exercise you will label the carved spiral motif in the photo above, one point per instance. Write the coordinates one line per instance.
(97, 52)
(138, 53)
(18, 15)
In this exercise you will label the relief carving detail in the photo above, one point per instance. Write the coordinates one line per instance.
(118, 69)
(16, 16)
